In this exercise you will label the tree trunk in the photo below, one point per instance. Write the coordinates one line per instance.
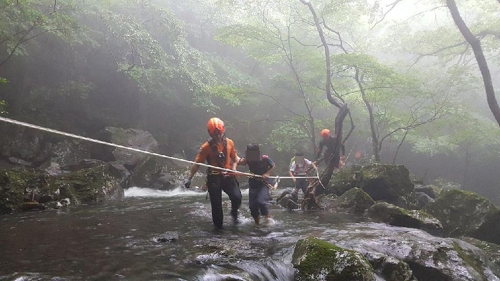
(317, 187)
(373, 129)
(481, 60)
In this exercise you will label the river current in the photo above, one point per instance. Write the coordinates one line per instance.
(155, 235)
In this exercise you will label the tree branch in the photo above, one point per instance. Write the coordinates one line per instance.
(327, 55)
(481, 60)
(393, 5)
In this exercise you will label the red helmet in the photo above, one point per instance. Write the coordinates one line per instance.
(325, 133)
(215, 126)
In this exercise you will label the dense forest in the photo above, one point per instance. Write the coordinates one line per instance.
(419, 77)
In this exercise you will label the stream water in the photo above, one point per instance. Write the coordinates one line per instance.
(120, 240)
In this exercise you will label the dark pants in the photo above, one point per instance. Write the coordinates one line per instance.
(217, 184)
(301, 184)
(258, 198)
(328, 155)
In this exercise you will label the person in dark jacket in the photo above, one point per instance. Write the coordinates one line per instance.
(258, 192)
(330, 142)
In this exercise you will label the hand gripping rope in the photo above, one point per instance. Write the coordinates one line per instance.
(24, 124)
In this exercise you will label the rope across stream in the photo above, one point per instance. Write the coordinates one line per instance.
(236, 172)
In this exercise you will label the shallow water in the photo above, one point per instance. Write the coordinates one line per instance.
(118, 240)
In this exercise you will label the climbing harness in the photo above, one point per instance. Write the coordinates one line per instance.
(57, 132)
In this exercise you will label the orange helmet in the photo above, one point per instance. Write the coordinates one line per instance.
(325, 133)
(215, 126)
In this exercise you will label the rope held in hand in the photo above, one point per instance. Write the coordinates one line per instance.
(40, 128)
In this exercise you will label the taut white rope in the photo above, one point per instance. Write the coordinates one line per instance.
(24, 124)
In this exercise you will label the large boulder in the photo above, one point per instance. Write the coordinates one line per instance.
(36, 188)
(132, 138)
(390, 268)
(33, 148)
(354, 201)
(288, 199)
(461, 212)
(415, 200)
(430, 190)
(91, 185)
(394, 215)
(344, 179)
(430, 258)
(490, 230)
(23, 146)
(161, 174)
(380, 181)
(385, 182)
(490, 252)
(117, 170)
(14, 186)
(66, 152)
(315, 259)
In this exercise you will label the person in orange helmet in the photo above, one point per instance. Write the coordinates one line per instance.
(330, 142)
(219, 151)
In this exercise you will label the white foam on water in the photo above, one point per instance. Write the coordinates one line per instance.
(149, 192)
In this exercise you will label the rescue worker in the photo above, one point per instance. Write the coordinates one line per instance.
(219, 151)
(330, 143)
(299, 168)
(258, 192)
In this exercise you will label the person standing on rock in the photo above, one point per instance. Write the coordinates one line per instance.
(330, 142)
(219, 151)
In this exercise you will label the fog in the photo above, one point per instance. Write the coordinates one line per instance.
(168, 66)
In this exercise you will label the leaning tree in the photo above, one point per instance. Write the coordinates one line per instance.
(317, 187)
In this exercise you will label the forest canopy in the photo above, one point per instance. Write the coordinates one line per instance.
(415, 75)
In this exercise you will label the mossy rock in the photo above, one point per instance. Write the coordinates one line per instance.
(396, 216)
(415, 200)
(416, 179)
(461, 212)
(392, 269)
(344, 179)
(91, 185)
(13, 185)
(491, 250)
(315, 259)
(355, 201)
(490, 230)
(431, 191)
(385, 182)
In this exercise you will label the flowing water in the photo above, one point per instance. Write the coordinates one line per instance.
(155, 235)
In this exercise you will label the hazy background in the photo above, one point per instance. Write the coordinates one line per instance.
(168, 66)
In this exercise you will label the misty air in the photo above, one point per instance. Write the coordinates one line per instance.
(250, 140)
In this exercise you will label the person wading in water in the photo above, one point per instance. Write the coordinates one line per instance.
(219, 151)
(299, 168)
(258, 191)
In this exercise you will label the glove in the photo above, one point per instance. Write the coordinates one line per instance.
(187, 184)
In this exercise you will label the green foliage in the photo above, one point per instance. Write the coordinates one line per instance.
(258, 42)
(288, 136)
(57, 106)
(21, 22)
